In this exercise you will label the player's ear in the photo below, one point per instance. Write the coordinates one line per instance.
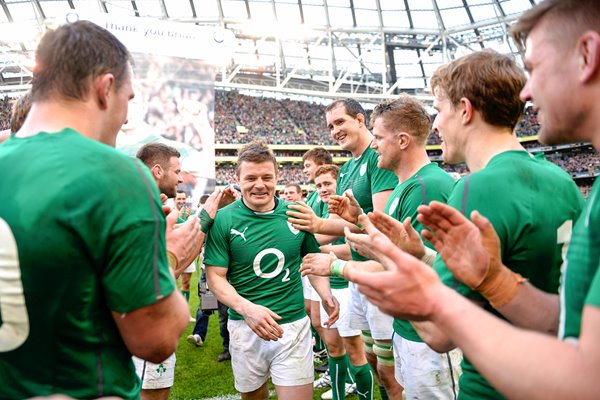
(361, 119)
(157, 171)
(404, 140)
(102, 88)
(466, 110)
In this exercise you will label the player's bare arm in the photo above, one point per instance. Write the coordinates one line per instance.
(183, 241)
(321, 264)
(316, 264)
(471, 250)
(341, 251)
(260, 319)
(167, 318)
(302, 217)
(330, 303)
(413, 291)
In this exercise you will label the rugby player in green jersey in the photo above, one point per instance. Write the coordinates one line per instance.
(252, 259)
(564, 86)
(164, 165)
(478, 129)
(400, 130)
(346, 121)
(311, 160)
(335, 336)
(84, 273)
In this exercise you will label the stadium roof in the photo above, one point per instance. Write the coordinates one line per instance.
(368, 49)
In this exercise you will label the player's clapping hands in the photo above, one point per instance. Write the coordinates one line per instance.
(317, 264)
(402, 234)
(470, 249)
(345, 206)
(408, 289)
(184, 213)
(304, 218)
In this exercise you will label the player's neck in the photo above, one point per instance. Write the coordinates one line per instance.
(483, 145)
(270, 206)
(53, 116)
(363, 144)
(412, 162)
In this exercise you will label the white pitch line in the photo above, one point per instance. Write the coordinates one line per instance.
(233, 396)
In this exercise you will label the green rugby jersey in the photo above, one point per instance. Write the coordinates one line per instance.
(428, 184)
(529, 201)
(262, 253)
(90, 237)
(362, 175)
(314, 201)
(580, 284)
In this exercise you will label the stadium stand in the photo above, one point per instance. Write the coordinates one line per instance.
(298, 125)
(241, 118)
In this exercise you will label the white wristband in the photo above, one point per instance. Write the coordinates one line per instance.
(429, 256)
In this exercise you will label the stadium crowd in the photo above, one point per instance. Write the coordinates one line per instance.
(242, 118)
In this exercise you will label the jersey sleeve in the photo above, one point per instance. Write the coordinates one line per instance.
(136, 272)
(216, 250)
(310, 244)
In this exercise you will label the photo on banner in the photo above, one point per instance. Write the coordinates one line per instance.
(174, 67)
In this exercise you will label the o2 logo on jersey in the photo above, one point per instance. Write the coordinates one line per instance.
(393, 205)
(280, 263)
(363, 169)
(15, 321)
(292, 229)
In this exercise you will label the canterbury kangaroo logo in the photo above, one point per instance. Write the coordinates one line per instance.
(242, 233)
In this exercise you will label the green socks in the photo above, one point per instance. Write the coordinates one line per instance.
(186, 294)
(338, 371)
(363, 376)
(383, 393)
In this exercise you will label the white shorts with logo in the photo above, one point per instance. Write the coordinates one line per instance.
(425, 373)
(367, 317)
(343, 322)
(288, 361)
(155, 376)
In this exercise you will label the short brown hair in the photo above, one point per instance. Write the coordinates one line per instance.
(257, 152)
(71, 56)
(157, 153)
(491, 81)
(20, 110)
(294, 185)
(334, 170)
(352, 107)
(406, 114)
(572, 16)
(319, 155)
